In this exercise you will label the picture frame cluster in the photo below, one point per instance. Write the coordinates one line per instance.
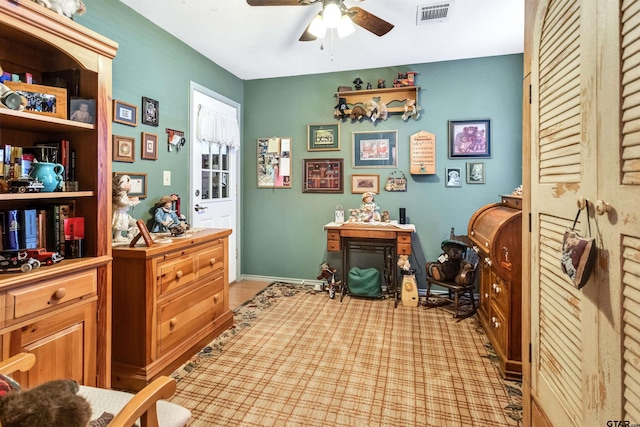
(127, 114)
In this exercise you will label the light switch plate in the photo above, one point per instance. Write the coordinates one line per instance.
(166, 178)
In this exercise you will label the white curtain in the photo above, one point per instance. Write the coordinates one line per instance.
(216, 128)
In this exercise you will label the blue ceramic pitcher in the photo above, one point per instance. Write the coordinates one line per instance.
(49, 174)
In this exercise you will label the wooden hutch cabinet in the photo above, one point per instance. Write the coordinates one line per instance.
(169, 300)
(495, 229)
(61, 312)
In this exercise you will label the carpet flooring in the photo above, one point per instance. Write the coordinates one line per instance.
(295, 357)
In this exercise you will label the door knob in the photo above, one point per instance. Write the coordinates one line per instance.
(602, 207)
(200, 208)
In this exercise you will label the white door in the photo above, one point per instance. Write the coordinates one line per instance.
(214, 174)
(585, 368)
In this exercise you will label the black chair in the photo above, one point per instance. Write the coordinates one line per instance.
(460, 294)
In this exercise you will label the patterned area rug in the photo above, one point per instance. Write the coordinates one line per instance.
(296, 357)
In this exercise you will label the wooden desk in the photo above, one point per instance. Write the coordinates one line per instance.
(390, 239)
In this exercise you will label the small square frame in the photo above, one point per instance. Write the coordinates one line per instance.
(124, 149)
(124, 113)
(323, 137)
(475, 173)
(150, 111)
(375, 149)
(361, 183)
(138, 183)
(149, 149)
(323, 175)
(469, 138)
(76, 103)
(453, 177)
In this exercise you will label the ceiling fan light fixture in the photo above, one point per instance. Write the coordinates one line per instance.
(346, 26)
(317, 27)
(331, 14)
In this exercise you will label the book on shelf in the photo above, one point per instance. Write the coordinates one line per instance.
(42, 228)
(12, 227)
(29, 228)
(65, 211)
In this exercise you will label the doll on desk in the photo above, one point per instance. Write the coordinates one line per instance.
(166, 219)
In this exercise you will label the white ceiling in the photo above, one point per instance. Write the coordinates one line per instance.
(262, 42)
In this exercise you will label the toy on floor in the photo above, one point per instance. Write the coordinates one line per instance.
(328, 274)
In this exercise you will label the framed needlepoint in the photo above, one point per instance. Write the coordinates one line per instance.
(149, 146)
(123, 148)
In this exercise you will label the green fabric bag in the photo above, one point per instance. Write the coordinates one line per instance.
(364, 282)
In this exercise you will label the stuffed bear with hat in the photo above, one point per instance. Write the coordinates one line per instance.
(451, 265)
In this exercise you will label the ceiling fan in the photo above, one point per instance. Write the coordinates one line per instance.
(358, 16)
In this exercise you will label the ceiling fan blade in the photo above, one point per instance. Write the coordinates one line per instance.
(369, 22)
(307, 36)
(278, 2)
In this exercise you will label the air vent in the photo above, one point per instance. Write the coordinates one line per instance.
(433, 13)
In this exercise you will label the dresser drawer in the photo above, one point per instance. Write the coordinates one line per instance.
(210, 260)
(333, 245)
(500, 294)
(184, 317)
(175, 273)
(44, 295)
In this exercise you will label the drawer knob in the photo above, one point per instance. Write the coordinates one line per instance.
(173, 322)
(212, 262)
(179, 274)
(215, 299)
(60, 293)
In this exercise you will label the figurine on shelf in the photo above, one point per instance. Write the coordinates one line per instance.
(381, 84)
(410, 109)
(123, 225)
(369, 211)
(166, 219)
(358, 83)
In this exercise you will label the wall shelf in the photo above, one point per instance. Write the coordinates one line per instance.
(393, 97)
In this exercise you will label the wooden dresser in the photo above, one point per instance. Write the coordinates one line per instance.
(496, 231)
(169, 300)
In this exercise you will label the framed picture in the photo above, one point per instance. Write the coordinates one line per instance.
(274, 162)
(323, 137)
(124, 113)
(144, 233)
(123, 148)
(365, 183)
(375, 149)
(452, 177)
(149, 146)
(150, 111)
(47, 100)
(469, 138)
(475, 173)
(137, 182)
(82, 110)
(322, 175)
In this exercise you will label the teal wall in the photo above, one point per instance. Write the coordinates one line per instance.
(281, 229)
(152, 63)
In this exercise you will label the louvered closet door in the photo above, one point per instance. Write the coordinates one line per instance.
(575, 369)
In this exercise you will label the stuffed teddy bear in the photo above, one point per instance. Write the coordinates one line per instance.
(403, 263)
(358, 112)
(54, 403)
(410, 109)
(451, 265)
(66, 8)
